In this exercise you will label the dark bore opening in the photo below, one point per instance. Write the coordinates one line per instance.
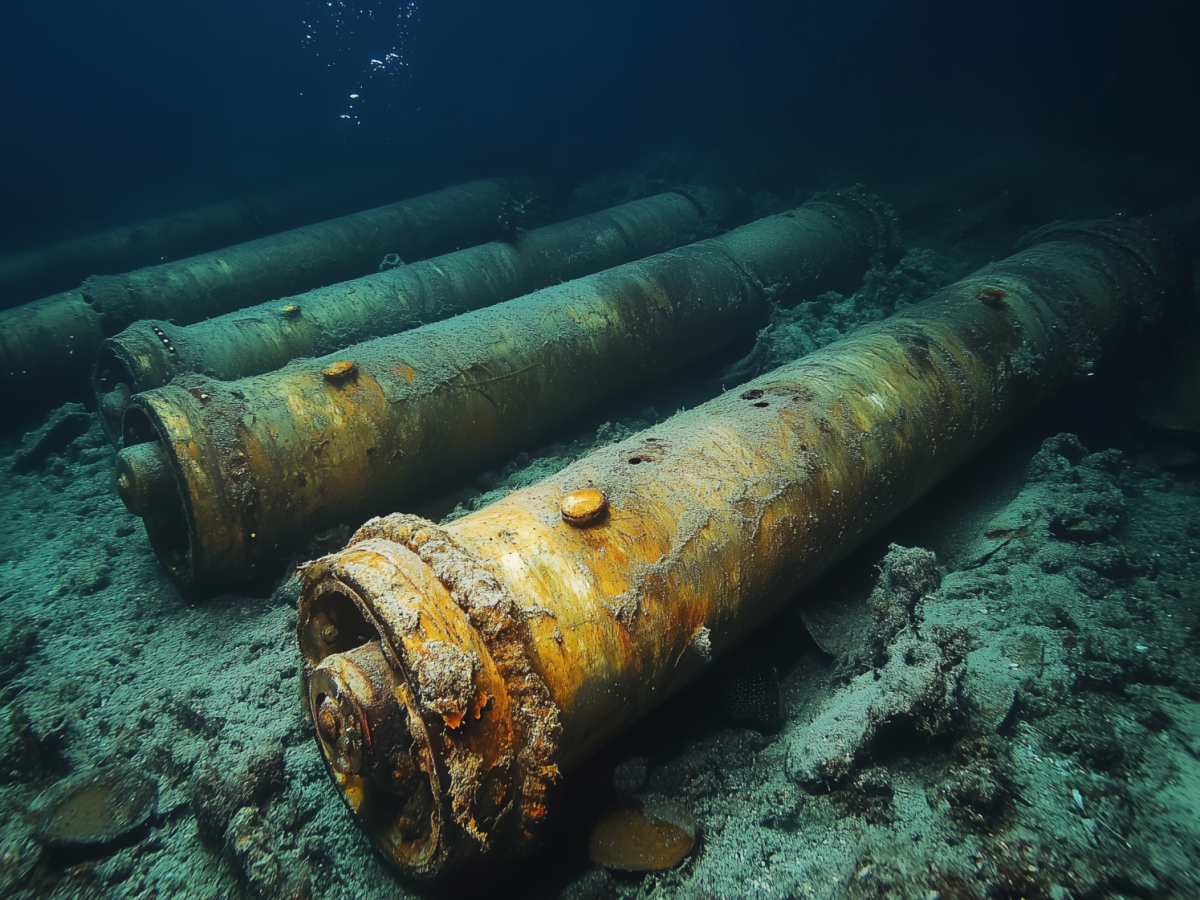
(334, 624)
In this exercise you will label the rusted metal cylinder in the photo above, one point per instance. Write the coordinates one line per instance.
(262, 462)
(29, 274)
(52, 342)
(265, 337)
(511, 643)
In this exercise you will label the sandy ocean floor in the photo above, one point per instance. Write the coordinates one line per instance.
(996, 697)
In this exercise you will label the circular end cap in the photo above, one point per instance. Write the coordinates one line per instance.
(144, 478)
(359, 720)
(643, 834)
(94, 809)
(583, 507)
(384, 775)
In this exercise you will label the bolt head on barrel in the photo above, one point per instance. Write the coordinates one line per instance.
(583, 507)
(342, 370)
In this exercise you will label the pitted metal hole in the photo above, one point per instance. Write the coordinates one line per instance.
(992, 296)
(652, 450)
(755, 394)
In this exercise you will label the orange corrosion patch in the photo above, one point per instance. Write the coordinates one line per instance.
(340, 370)
(408, 372)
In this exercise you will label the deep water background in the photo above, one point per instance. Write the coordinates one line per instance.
(113, 112)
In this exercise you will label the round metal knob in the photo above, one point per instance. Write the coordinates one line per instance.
(583, 507)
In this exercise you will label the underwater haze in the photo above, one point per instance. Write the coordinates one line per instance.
(602, 251)
(124, 110)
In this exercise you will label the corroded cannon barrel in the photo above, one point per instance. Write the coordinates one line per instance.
(29, 274)
(453, 673)
(51, 343)
(150, 353)
(227, 475)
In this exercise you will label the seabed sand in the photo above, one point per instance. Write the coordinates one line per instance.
(1012, 710)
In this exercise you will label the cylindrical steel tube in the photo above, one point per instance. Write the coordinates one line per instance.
(516, 640)
(264, 461)
(150, 353)
(52, 342)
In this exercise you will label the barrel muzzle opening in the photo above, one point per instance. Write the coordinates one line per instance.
(149, 486)
(368, 728)
(436, 729)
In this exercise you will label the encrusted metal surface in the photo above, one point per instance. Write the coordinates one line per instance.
(717, 517)
(482, 725)
(266, 461)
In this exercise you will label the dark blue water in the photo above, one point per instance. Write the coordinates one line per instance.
(112, 111)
